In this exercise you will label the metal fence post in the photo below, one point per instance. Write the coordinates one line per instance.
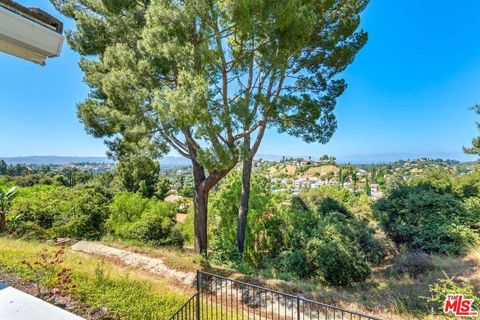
(197, 316)
(298, 308)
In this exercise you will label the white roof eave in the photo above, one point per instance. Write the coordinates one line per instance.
(27, 39)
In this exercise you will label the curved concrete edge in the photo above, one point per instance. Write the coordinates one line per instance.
(18, 305)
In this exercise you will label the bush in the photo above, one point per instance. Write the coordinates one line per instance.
(125, 209)
(332, 247)
(60, 212)
(85, 215)
(330, 198)
(288, 262)
(336, 262)
(156, 227)
(147, 220)
(422, 217)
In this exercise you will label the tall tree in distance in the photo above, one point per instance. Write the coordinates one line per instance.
(138, 174)
(3, 167)
(475, 148)
(206, 77)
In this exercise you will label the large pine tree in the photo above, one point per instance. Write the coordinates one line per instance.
(206, 77)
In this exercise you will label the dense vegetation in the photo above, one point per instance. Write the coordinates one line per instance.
(327, 236)
(314, 236)
(127, 205)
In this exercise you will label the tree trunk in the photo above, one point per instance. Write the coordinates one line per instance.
(243, 207)
(246, 181)
(200, 208)
(2, 221)
(200, 201)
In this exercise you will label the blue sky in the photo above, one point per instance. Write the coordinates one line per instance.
(409, 90)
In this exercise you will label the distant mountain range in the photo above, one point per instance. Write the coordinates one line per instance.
(168, 161)
(173, 161)
(56, 160)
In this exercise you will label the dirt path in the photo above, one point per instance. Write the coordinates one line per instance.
(152, 265)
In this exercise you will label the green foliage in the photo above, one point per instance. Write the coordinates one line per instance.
(336, 261)
(157, 74)
(6, 197)
(138, 174)
(162, 78)
(3, 167)
(125, 209)
(438, 179)
(426, 217)
(333, 246)
(63, 212)
(330, 198)
(443, 287)
(468, 185)
(156, 226)
(163, 186)
(325, 242)
(147, 220)
(263, 223)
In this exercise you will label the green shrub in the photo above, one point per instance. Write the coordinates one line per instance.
(330, 198)
(156, 227)
(289, 262)
(332, 247)
(125, 209)
(147, 220)
(422, 217)
(59, 211)
(85, 215)
(336, 262)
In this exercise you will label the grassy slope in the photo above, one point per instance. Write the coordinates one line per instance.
(320, 171)
(129, 295)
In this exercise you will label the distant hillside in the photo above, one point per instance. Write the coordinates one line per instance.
(56, 160)
(320, 171)
(60, 160)
(176, 161)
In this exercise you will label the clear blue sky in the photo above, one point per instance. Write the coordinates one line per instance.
(409, 90)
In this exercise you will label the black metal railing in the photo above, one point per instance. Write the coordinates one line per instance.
(188, 311)
(222, 298)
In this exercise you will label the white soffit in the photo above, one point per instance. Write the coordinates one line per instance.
(27, 39)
